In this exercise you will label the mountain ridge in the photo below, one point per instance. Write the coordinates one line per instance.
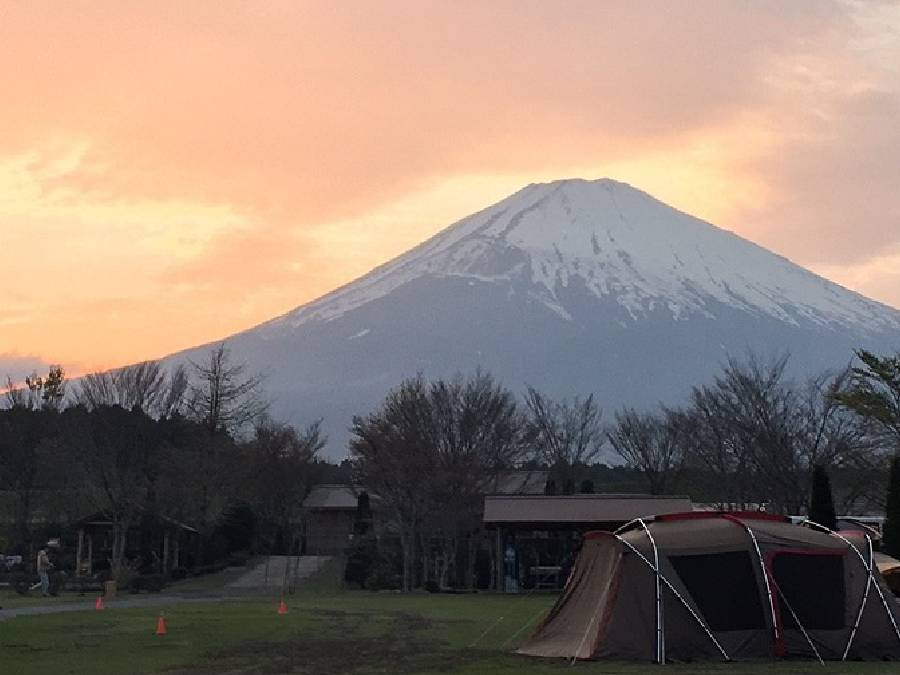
(572, 287)
(470, 227)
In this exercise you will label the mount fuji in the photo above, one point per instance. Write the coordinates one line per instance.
(573, 287)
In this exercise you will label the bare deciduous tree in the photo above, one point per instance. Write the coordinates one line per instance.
(280, 470)
(222, 397)
(392, 458)
(47, 392)
(761, 433)
(116, 449)
(650, 444)
(475, 429)
(146, 386)
(564, 435)
(428, 453)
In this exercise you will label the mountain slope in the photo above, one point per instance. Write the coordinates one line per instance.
(571, 286)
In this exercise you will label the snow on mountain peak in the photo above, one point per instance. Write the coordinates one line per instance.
(618, 243)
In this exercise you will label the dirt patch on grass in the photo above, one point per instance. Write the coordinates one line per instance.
(343, 642)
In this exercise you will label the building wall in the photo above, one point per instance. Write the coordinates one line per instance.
(327, 532)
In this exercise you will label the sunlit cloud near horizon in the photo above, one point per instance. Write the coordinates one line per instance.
(172, 173)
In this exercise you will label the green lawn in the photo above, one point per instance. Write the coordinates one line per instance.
(12, 600)
(323, 632)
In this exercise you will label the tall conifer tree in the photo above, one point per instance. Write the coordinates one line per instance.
(821, 503)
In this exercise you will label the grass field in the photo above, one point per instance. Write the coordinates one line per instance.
(323, 632)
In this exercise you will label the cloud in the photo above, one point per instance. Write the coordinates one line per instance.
(172, 172)
(17, 367)
(303, 113)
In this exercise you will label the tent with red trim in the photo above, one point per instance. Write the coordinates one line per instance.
(721, 586)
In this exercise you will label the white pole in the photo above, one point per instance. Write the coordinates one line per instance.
(660, 632)
(677, 595)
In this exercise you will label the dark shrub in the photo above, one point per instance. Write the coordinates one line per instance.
(178, 573)
(361, 558)
(152, 583)
(238, 527)
(482, 569)
(383, 577)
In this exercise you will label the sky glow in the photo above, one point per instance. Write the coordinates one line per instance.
(174, 172)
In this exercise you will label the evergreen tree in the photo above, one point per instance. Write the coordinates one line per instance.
(821, 503)
(875, 392)
(891, 535)
(363, 552)
(362, 522)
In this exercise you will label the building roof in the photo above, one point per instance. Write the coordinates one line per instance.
(102, 519)
(331, 497)
(578, 509)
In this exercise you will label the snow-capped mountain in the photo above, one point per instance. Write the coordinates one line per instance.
(572, 286)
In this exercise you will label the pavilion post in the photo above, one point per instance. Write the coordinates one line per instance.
(165, 555)
(90, 558)
(498, 561)
(80, 552)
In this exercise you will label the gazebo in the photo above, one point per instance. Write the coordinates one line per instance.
(158, 537)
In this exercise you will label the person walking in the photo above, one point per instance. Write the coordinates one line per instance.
(43, 570)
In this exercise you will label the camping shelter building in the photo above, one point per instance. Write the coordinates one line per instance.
(537, 537)
(327, 522)
(329, 510)
(161, 544)
(722, 586)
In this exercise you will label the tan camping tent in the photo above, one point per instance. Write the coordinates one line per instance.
(728, 586)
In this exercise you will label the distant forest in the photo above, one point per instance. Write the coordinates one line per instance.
(196, 445)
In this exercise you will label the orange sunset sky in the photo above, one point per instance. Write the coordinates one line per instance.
(172, 172)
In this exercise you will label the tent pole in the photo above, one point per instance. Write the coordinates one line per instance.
(868, 569)
(862, 605)
(660, 633)
(765, 576)
(627, 526)
(678, 595)
(797, 619)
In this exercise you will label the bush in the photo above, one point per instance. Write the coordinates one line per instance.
(483, 569)
(152, 583)
(57, 582)
(384, 576)
(432, 586)
(22, 582)
(361, 558)
(178, 573)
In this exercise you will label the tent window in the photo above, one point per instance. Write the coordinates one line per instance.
(723, 586)
(814, 587)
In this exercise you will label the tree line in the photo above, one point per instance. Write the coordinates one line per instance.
(192, 444)
(195, 444)
(750, 439)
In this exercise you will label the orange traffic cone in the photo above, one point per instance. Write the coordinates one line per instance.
(99, 604)
(282, 607)
(161, 625)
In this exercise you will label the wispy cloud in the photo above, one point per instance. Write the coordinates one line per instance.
(173, 172)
